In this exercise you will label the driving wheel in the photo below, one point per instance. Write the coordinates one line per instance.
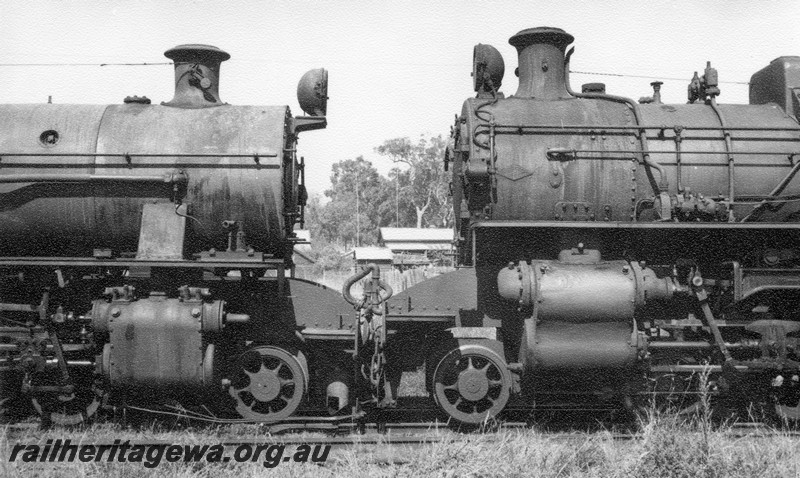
(269, 383)
(74, 408)
(472, 384)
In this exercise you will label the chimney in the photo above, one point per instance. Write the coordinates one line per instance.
(541, 62)
(196, 75)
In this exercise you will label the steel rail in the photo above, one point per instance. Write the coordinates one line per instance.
(403, 434)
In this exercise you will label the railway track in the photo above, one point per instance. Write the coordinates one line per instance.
(418, 433)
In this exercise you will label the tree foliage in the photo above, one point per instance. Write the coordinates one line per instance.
(353, 215)
(423, 183)
(361, 200)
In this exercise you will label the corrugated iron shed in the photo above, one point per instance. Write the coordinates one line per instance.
(413, 239)
(371, 254)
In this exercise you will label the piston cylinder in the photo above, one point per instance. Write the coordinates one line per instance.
(582, 309)
(156, 343)
(597, 292)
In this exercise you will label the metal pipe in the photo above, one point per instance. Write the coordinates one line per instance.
(147, 155)
(18, 308)
(621, 151)
(90, 178)
(678, 141)
(74, 363)
(236, 318)
(623, 128)
(139, 166)
(357, 277)
(778, 189)
(689, 345)
(693, 368)
(492, 167)
(641, 134)
(728, 150)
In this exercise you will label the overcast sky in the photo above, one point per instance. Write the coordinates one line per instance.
(396, 69)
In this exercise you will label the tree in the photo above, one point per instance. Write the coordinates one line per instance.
(423, 183)
(354, 213)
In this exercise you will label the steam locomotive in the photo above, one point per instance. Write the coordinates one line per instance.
(145, 251)
(615, 250)
(610, 251)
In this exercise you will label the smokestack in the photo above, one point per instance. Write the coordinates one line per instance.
(196, 75)
(541, 62)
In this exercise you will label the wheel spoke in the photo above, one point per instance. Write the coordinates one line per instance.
(275, 390)
(480, 380)
(260, 370)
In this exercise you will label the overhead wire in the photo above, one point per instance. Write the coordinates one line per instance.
(621, 75)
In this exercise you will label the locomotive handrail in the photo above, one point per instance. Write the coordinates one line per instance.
(256, 164)
(728, 149)
(85, 178)
(135, 166)
(149, 155)
(641, 133)
(620, 151)
(598, 127)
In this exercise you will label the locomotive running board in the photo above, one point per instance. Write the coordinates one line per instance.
(616, 239)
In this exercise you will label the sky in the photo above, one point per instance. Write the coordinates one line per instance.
(396, 69)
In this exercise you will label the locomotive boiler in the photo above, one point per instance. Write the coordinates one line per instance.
(615, 250)
(145, 251)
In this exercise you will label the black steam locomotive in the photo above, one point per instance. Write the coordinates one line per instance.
(145, 250)
(610, 250)
(617, 250)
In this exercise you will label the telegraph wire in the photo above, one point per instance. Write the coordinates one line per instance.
(621, 75)
(649, 77)
(84, 64)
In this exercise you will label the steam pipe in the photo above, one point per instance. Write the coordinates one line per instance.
(375, 270)
(663, 184)
(728, 149)
(775, 192)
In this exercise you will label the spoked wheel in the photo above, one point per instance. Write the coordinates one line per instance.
(471, 384)
(269, 384)
(75, 408)
(786, 399)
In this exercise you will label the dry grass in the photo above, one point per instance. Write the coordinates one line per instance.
(666, 447)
